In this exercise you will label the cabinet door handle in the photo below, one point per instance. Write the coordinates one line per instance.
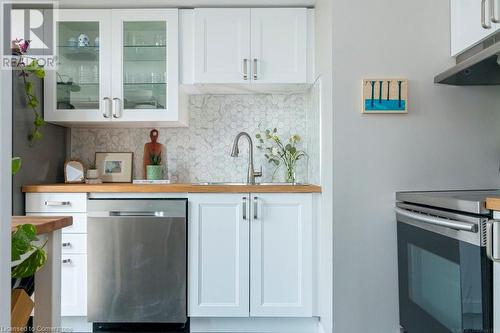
(255, 76)
(68, 244)
(117, 108)
(106, 106)
(255, 208)
(494, 11)
(67, 261)
(245, 69)
(484, 24)
(57, 203)
(244, 208)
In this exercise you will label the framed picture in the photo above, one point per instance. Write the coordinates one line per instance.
(385, 96)
(115, 167)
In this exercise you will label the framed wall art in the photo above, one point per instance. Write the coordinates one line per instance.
(385, 96)
(115, 167)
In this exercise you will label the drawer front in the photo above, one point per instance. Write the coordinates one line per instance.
(74, 244)
(79, 225)
(56, 202)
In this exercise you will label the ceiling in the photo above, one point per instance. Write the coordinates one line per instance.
(183, 3)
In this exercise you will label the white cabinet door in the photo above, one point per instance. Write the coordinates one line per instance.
(281, 255)
(466, 24)
(79, 90)
(145, 65)
(74, 285)
(218, 255)
(279, 45)
(222, 45)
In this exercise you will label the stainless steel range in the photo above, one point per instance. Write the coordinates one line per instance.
(444, 252)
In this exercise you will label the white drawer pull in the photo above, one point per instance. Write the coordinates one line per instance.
(68, 244)
(57, 203)
(67, 261)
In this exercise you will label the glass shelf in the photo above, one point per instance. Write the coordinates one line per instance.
(145, 46)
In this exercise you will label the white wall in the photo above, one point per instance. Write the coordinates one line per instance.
(5, 195)
(323, 69)
(449, 140)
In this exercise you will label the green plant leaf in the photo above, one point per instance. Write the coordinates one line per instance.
(30, 265)
(33, 102)
(16, 165)
(35, 135)
(29, 88)
(257, 136)
(39, 73)
(39, 120)
(21, 240)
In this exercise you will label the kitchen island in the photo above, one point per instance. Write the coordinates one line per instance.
(48, 278)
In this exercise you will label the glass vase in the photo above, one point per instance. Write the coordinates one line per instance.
(290, 174)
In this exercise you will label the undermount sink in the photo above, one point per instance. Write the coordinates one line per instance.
(230, 183)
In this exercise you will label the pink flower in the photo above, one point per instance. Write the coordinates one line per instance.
(20, 46)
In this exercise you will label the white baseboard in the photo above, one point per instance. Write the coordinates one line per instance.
(254, 325)
(75, 324)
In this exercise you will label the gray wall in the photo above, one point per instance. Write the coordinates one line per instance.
(449, 140)
(44, 161)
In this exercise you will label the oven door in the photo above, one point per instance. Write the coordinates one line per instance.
(445, 277)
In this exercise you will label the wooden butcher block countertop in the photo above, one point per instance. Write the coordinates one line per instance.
(170, 188)
(493, 203)
(43, 224)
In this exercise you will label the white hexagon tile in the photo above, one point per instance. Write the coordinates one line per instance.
(201, 152)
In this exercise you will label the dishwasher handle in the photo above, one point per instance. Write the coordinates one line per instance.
(137, 214)
(452, 224)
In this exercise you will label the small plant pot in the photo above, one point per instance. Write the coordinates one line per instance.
(92, 173)
(154, 172)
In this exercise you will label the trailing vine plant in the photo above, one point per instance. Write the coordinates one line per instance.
(28, 67)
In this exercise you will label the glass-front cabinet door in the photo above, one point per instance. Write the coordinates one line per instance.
(79, 89)
(145, 65)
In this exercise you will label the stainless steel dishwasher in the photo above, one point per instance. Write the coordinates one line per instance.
(137, 260)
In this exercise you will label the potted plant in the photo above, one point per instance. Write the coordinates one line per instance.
(154, 171)
(280, 152)
(92, 171)
(27, 258)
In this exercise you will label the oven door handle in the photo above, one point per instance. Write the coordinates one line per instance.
(490, 243)
(452, 224)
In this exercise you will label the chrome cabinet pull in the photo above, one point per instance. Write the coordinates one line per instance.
(452, 224)
(57, 203)
(255, 77)
(245, 69)
(67, 261)
(117, 106)
(255, 208)
(106, 106)
(68, 244)
(490, 243)
(484, 24)
(244, 208)
(494, 11)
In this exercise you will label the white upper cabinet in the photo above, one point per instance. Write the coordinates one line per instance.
(279, 45)
(80, 86)
(116, 67)
(281, 255)
(471, 22)
(222, 45)
(246, 45)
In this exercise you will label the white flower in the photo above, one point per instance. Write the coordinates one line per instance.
(274, 151)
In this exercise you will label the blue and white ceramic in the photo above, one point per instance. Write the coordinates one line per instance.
(83, 40)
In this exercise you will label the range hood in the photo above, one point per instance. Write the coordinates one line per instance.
(475, 67)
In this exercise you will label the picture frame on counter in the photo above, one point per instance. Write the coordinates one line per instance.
(115, 167)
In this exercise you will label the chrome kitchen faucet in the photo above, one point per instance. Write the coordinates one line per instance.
(252, 174)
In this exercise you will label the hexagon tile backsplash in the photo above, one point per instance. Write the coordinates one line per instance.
(201, 152)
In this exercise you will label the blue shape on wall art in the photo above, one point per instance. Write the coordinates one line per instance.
(385, 96)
